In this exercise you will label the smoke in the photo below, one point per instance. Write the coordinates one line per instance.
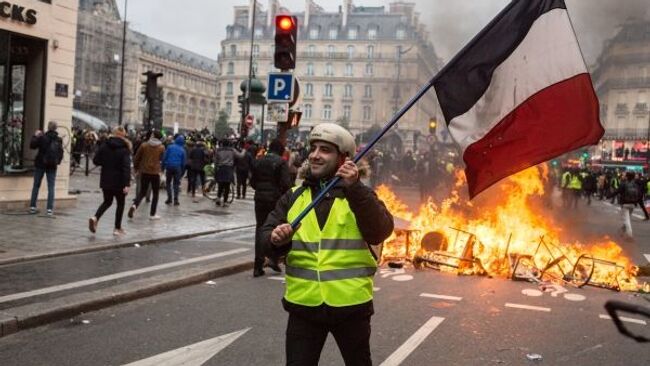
(453, 23)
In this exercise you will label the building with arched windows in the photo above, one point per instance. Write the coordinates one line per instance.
(356, 66)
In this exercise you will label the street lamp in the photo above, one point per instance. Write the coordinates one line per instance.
(119, 119)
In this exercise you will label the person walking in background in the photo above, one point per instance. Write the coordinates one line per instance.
(270, 180)
(173, 164)
(114, 156)
(198, 158)
(147, 165)
(628, 194)
(224, 175)
(243, 166)
(48, 157)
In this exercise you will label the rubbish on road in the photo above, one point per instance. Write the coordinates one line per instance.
(585, 268)
(136, 245)
(85, 321)
(534, 357)
(210, 282)
(433, 253)
(394, 264)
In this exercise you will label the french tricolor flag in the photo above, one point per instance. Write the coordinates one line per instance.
(519, 93)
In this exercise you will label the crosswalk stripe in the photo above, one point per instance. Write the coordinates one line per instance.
(441, 297)
(413, 342)
(527, 307)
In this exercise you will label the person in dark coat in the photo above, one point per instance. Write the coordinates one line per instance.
(114, 156)
(270, 180)
(44, 143)
(198, 157)
(225, 170)
(243, 166)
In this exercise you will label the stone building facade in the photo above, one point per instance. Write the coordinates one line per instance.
(622, 80)
(188, 82)
(356, 66)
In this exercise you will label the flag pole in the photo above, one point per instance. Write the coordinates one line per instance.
(367, 148)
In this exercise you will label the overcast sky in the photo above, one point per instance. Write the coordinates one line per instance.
(200, 25)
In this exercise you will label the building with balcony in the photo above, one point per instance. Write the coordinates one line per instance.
(356, 66)
(622, 81)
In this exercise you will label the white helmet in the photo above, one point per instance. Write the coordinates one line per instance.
(336, 135)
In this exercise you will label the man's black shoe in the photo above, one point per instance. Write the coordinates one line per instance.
(274, 266)
(258, 273)
(176, 203)
(168, 202)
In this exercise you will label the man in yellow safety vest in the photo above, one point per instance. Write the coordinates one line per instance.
(330, 268)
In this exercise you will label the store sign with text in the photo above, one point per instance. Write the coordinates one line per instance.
(17, 13)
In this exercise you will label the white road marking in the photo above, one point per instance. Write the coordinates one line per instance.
(115, 276)
(441, 297)
(647, 257)
(193, 355)
(532, 292)
(402, 278)
(527, 307)
(575, 297)
(413, 342)
(276, 278)
(557, 289)
(376, 288)
(624, 319)
(393, 272)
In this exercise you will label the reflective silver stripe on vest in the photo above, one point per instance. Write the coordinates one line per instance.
(332, 244)
(332, 275)
(329, 244)
(301, 245)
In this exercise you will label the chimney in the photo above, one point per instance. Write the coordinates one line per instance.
(271, 13)
(347, 8)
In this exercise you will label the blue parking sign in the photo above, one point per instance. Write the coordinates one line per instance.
(280, 87)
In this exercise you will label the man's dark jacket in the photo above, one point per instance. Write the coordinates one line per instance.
(41, 143)
(373, 219)
(270, 178)
(114, 156)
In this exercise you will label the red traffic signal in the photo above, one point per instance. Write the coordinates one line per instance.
(284, 22)
(286, 36)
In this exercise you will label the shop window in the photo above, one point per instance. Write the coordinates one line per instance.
(22, 75)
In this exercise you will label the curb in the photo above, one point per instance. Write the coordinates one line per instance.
(32, 315)
(100, 247)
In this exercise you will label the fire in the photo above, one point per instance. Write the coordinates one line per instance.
(492, 237)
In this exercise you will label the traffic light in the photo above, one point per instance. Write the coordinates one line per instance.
(585, 154)
(432, 126)
(286, 37)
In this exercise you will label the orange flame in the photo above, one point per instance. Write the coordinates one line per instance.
(510, 226)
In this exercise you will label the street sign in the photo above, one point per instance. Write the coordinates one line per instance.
(278, 112)
(280, 87)
(250, 121)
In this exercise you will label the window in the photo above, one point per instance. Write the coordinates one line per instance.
(330, 51)
(334, 33)
(353, 33)
(350, 51)
(369, 69)
(327, 112)
(328, 90)
(254, 67)
(367, 91)
(259, 32)
(348, 69)
(233, 50)
(236, 33)
(347, 91)
(231, 68)
(256, 50)
(228, 108)
(219, 89)
(371, 51)
(308, 111)
(329, 69)
(367, 113)
(401, 33)
(347, 112)
(314, 33)
(372, 33)
(310, 69)
(229, 88)
(311, 50)
(309, 90)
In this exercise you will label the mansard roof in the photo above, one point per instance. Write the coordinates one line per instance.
(173, 53)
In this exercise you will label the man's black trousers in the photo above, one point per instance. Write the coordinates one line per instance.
(262, 210)
(306, 336)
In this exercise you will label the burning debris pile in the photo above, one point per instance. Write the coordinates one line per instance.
(508, 237)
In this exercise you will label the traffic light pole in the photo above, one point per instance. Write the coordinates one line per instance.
(119, 119)
(247, 97)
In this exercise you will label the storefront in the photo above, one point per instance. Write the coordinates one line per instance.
(37, 56)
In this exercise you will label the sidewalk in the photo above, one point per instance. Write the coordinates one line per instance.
(28, 237)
